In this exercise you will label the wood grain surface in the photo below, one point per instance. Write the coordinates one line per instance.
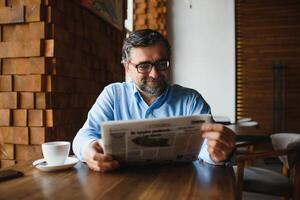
(195, 180)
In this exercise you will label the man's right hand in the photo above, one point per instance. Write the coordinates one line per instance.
(96, 160)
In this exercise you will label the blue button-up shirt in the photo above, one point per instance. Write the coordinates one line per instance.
(122, 101)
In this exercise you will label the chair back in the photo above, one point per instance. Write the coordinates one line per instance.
(290, 142)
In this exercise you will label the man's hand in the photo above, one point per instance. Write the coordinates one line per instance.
(96, 160)
(220, 141)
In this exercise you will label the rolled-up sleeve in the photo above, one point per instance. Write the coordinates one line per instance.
(205, 156)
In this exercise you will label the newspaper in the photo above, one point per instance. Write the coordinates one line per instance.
(174, 139)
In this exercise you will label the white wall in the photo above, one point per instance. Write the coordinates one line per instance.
(202, 37)
(129, 20)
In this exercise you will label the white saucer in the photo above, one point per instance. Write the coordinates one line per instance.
(251, 123)
(70, 162)
(246, 119)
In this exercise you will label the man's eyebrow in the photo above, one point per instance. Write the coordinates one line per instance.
(145, 62)
(148, 61)
(162, 59)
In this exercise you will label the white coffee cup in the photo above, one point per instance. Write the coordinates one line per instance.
(56, 153)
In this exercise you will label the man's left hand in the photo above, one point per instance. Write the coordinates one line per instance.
(220, 141)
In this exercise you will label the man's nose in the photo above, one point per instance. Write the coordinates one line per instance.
(154, 72)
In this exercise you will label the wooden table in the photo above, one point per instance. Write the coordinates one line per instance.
(247, 130)
(195, 180)
(250, 134)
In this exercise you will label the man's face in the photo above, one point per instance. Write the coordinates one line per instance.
(151, 84)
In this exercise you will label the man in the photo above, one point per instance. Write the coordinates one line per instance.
(146, 59)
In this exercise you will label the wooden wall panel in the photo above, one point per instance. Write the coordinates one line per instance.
(150, 14)
(55, 58)
(268, 49)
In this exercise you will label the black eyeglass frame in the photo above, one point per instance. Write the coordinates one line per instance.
(139, 67)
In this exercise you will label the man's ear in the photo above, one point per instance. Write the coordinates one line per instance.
(127, 72)
(126, 66)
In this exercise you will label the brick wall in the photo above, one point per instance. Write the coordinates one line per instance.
(150, 14)
(56, 57)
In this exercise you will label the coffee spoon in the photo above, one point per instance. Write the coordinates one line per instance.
(43, 162)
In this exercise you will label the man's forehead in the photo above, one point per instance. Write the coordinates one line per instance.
(156, 50)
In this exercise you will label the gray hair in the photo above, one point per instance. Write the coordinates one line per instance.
(143, 38)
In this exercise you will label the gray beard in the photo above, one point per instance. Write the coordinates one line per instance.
(153, 91)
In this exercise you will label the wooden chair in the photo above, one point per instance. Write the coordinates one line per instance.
(254, 179)
(244, 146)
(247, 122)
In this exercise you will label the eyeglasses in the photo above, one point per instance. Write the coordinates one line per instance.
(146, 67)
